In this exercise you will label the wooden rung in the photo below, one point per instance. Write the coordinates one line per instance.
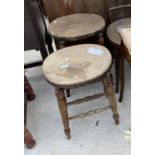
(85, 99)
(89, 113)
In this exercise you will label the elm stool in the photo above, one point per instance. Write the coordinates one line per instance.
(77, 66)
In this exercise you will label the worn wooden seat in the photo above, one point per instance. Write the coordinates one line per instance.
(76, 26)
(112, 30)
(76, 66)
(76, 29)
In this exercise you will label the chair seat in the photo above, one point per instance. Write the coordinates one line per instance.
(76, 65)
(76, 26)
(112, 30)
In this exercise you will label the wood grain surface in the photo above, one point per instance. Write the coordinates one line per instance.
(76, 26)
(76, 64)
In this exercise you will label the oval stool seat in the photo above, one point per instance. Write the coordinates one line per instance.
(112, 30)
(76, 26)
(76, 65)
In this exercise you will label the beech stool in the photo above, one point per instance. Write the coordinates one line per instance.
(77, 66)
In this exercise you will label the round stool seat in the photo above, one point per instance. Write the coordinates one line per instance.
(76, 26)
(76, 65)
(112, 30)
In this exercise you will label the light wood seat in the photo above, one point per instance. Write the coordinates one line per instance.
(112, 30)
(76, 26)
(76, 65)
(125, 33)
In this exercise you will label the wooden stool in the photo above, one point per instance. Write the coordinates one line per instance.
(115, 40)
(76, 27)
(77, 66)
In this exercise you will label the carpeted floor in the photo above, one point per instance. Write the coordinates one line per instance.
(87, 138)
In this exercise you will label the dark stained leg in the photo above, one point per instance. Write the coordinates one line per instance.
(28, 89)
(107, 84)
(117, 61)
(122, 79)
(43, 51)
(61, 100)
(28, 139)
(48, 40)
(68, 93)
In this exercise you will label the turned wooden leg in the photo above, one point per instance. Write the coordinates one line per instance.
(28, 89)
(28, 139)
(107, 83)
(122, 79)
(100, 39)
(63, 110)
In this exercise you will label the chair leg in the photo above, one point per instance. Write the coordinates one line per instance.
(43, 52)
(122, 80)
(61, 100)
(107, 83)
(28, 89)
(117, 61)
(28, 139)
(49, 43)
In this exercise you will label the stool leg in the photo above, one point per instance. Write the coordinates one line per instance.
(100, 39)
(63, 110)
(122, 80)
(117, 73)
(107, 83)
(28, 139)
